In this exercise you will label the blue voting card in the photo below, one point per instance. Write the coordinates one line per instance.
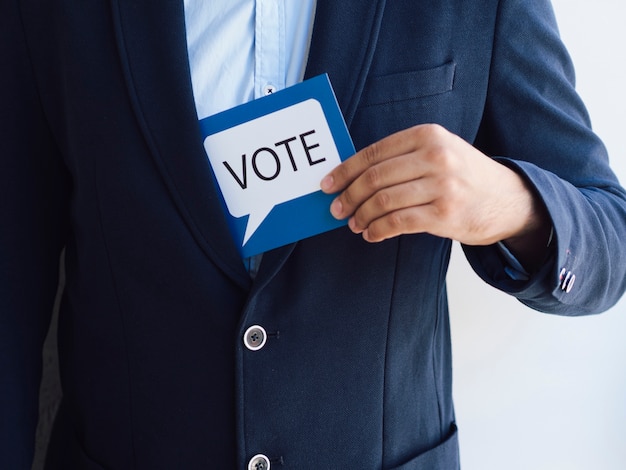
(268, 157)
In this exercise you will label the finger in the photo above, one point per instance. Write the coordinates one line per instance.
(397, 144)
(345, 173)
(401, 196)
(383, 175)
(415, 219)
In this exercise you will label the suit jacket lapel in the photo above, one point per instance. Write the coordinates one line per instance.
(343, 43)
(153, 50)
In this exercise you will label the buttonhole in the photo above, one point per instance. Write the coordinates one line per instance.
(275, 335)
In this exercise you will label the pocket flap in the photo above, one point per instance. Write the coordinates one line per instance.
(443, 457)
(409, 85)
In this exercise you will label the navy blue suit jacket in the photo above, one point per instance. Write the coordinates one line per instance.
(100, 152)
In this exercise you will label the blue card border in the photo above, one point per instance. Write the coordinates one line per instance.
(320, 89)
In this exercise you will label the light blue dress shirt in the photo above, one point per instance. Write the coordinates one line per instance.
(240, 50)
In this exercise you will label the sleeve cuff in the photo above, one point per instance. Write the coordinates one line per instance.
(513, 268)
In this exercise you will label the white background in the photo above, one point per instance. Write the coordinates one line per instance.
(536, 391)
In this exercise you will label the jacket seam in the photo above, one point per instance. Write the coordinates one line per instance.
(121, 313)
(441, 312)
(387, 345)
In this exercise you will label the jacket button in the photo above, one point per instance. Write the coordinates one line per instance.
(259, 462)
(254, 338)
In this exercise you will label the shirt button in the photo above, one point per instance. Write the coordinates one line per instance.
(259, 462)
(269, 89)
(254, 338)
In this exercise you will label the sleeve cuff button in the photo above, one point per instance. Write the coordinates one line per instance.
(566, 280)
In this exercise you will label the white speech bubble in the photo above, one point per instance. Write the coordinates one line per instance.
(273, 159)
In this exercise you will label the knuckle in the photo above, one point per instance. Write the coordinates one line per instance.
(443, 158)
(382, 200)
(449, 188)
(342, 172)
(434, 131)
(438, 144)
(446, 208)
(444, 211)
(371, 154)
(395, 221)
(372, 177)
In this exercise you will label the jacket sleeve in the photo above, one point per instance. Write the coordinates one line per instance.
(33, 201)
(535, 123)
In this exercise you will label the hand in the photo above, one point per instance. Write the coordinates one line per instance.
(426, 179)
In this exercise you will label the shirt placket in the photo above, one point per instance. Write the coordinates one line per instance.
(269, 69)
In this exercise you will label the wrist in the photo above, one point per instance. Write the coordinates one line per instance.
(532, 246)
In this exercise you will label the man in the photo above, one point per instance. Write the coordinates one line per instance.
(336, 353)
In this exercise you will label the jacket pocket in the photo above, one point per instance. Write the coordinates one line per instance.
(445, 456)
(408, 85)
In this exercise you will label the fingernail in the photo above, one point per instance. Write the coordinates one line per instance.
(327, 183)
